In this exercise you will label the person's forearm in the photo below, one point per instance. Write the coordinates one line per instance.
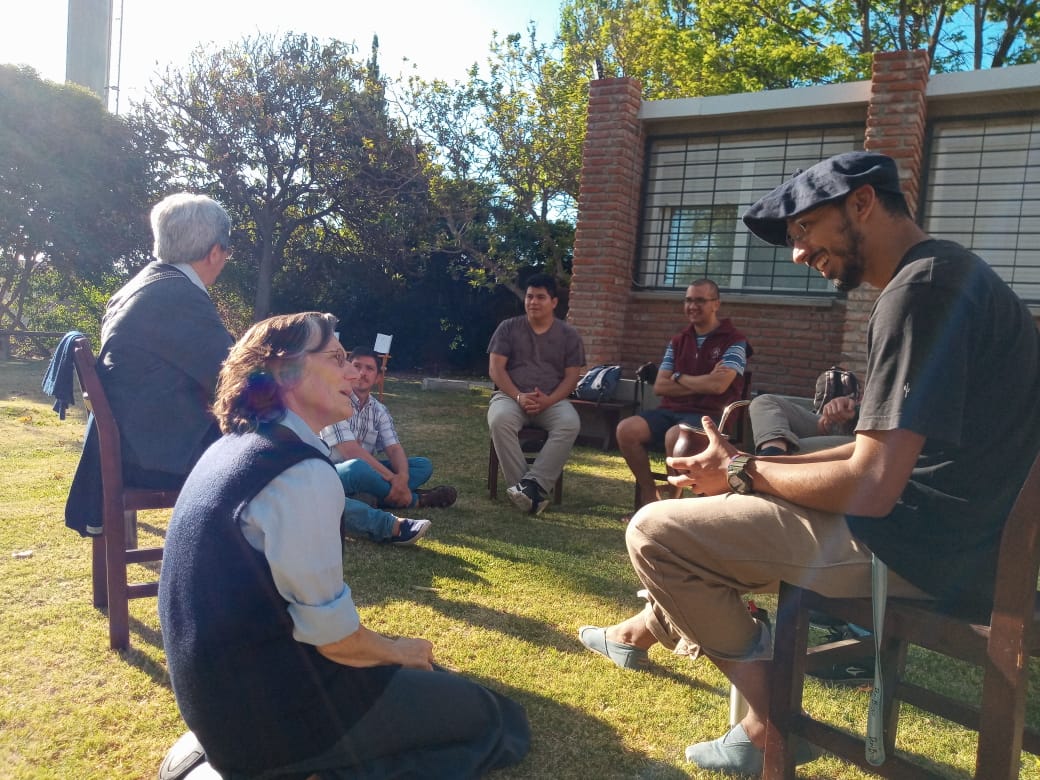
(366, 648)
(398, 461)
(562, 391)
(571, 377)
(841, 480)
(840, 452)
(362, 648)
(503, 381)
(690, 384)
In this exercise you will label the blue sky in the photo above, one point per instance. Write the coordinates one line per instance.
(441, 38)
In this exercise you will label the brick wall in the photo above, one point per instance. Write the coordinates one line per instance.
(787, 358)
(895, 126)
(608, 217)
(793, 341)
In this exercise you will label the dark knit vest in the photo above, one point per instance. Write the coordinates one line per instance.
(697, 361)
(254, 696)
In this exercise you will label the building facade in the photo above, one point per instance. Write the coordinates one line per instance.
(664, 184)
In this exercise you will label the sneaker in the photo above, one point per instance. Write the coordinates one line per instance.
(410, 531)
(438, 497)
(528, 496)
(734, 754)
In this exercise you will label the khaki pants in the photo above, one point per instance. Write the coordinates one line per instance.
(699, 557)
(506, 418)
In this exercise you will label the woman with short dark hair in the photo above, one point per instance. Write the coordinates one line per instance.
(269, 661)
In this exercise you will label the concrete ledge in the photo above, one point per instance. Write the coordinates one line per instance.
(452, 385)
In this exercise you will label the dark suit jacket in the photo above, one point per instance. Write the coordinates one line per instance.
(162, 345)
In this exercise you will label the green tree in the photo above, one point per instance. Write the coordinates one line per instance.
(506, 160)
(73, 201)
(679, 48)
(294, 138)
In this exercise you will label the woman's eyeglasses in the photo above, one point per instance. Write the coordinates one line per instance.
(338, 355)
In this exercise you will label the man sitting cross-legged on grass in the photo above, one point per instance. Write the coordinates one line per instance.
(391, 483)
(926, 485)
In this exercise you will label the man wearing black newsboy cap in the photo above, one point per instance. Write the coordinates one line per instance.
(948, 429)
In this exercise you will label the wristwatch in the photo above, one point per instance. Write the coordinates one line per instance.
(676, 376)
(737, 476)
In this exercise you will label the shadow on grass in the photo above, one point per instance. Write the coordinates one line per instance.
(561, 737)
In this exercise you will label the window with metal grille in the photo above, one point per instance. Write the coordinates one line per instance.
(691, 251)
(982, 190)
(696, 189)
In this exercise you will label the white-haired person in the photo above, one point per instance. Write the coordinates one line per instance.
(270, 663)
(162, 343)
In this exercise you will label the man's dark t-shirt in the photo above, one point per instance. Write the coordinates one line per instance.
(954, 355)
(536, 360)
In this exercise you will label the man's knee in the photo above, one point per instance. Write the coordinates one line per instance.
(643, 530)
(502, 419)
(633, 430)
(768, 409)
(571, 426)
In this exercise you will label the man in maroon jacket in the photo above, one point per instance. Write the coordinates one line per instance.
(702, 371)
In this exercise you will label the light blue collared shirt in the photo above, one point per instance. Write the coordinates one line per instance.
(294, 521)
(191, 273)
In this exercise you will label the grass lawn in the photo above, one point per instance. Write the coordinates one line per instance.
(500, 594)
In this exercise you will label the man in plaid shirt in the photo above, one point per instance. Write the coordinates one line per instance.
(378, 484)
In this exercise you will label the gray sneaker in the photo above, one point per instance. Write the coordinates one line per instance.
(410, 531)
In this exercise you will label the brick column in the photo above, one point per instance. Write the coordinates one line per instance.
(895, 126)
(608, 217)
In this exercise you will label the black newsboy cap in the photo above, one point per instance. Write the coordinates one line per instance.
(827, 181)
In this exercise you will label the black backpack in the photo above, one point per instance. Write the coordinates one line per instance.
(599, 384)
(833, 383)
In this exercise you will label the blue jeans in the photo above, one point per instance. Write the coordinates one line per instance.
(357, 476)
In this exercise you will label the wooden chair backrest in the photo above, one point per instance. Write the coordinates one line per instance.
(1017, 567)
(96, 402)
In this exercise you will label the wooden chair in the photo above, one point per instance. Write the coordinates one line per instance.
(732, 425)
(531, 442)
(1002, 649)
(116, 547)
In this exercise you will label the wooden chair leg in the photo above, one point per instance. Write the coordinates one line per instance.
(1004, 688)
(787, 679)
(98, 571)
(118, 596)
(492, 478)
